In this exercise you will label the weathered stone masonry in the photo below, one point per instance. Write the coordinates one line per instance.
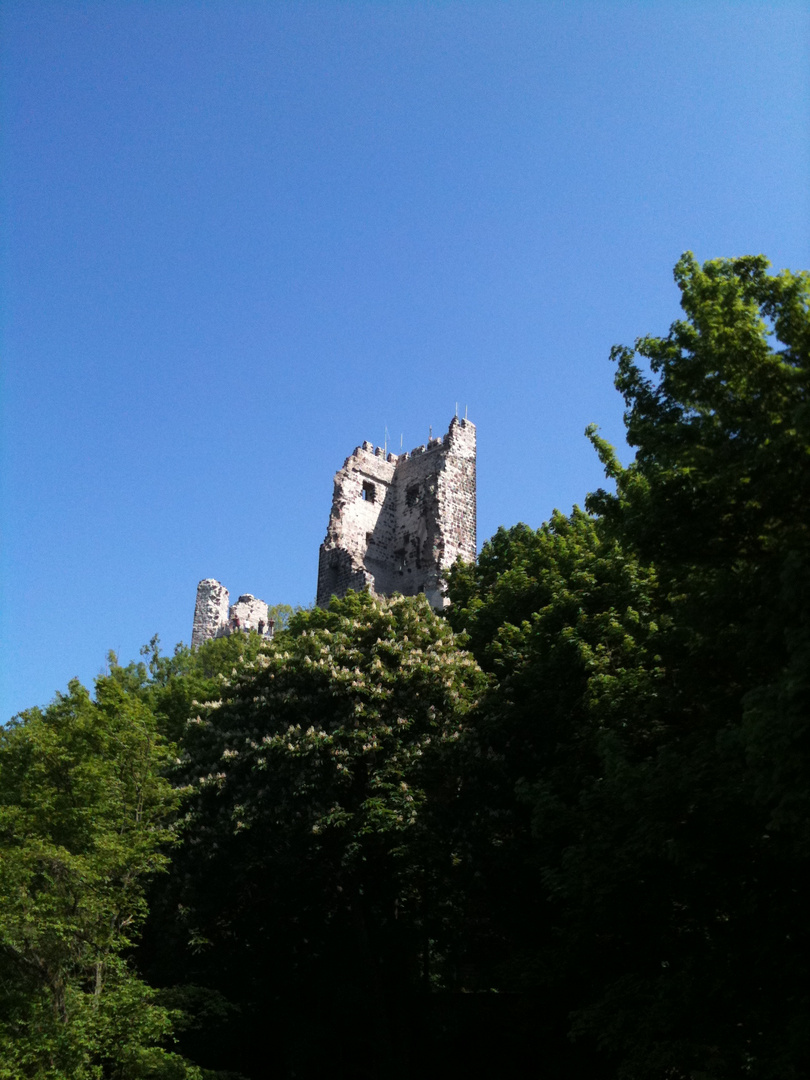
(214, 618)
(399, 521)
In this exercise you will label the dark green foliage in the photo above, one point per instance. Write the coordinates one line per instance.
(313, 853)
(564, 620)
(174, 686)
(401, 858)
(651, 712)
(694, 858)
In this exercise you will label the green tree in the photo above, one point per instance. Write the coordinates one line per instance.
(173, 687)
(566, 622)
(687, 882)
(643, 758)
(281, 614)
(84, 821)
(314, 856)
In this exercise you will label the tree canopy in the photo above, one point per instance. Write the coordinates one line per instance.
(565, 822)
(85, 820)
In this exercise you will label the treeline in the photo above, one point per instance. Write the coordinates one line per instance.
(562, 831)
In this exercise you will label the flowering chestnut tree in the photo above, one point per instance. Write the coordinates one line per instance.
(323, 786)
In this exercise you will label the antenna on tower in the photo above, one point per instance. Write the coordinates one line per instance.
(456, 410)
(385, 441)
(465, 412)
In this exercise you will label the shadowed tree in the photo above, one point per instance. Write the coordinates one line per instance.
(316, 867)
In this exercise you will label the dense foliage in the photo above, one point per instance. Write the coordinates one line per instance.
(561, 829)
(84, 820)
(316, 854)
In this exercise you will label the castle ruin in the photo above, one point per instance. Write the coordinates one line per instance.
(398, 522)
(214, 617)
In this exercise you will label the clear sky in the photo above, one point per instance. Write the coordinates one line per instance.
(241, 238)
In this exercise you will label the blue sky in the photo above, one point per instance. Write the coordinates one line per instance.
(240, 238)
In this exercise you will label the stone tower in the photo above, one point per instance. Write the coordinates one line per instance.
(398, 522)
(214, 617)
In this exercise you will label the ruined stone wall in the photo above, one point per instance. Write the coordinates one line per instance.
(210, 612)
(248, 613)
(399, 521)
(362, 518)
(214, 618)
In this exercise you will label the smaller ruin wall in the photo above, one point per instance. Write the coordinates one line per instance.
(215, 618)
(210, 612)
